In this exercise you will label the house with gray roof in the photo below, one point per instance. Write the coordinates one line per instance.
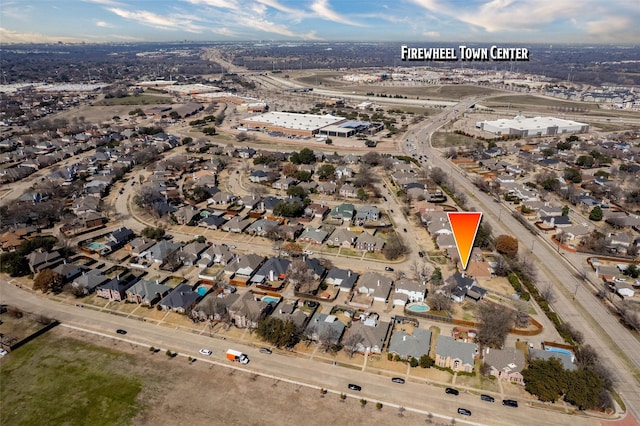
(187, 215)
(343, 278)
(415, 291)
(324, 327)
(190, 254)
(288, 312)
(212, 221)
(365, 213)
(342, 238)
(244, 265)
(89, 280)
(459, 286)
(115, 289)
(408, 346)
(246, 311)
(375, 285)
(505, 364)
(261, 227)
(326, 188)
(214, 307)
(68, 270)
(368, 242)
(274, 269)
(313, 235)
(147, 293)
(180, 299)
(39, 260)
(454, 354)
(348, 190)
(162, 250)
(366, 336)
(140, 246)
(219, 254)
(237, 224)
(118, 238)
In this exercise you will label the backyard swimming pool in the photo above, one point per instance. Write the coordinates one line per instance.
(96, 246)
(418, 307)
(270, 299)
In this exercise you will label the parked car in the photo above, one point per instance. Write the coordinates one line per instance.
(510, 403)
(388, 268)
(452, 391)
(404, 229)
(354, 387)
(464, 411)
(121, 331)
(421, 253)
(265, 351)
(398, 380)
(487, 398)
(206, 352)
(307, 252)
(3, 352)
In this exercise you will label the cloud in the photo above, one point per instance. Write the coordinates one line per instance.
(431, 34)
(617, 29)
(103, 24)
(221, 4)
(158, 21)
(225, 32)
(322, 10)
(10, 36)
(274, 4)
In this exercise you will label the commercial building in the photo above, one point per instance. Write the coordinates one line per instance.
(351, 128)
(533, 126)
(289, 123)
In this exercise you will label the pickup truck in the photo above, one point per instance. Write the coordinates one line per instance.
(233, 355)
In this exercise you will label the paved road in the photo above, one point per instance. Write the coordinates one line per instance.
(412, 395)
(617, 347)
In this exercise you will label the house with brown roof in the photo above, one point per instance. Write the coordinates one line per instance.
(505, 364)
(246, 311)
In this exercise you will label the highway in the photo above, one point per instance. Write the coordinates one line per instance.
(616, 346)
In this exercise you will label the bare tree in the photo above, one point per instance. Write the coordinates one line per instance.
(629, 316)
(327, 338)
(301, 276)
(495, 323)
(421, 270)
(440, 302)
(547, 294)
(527, 267)
(521, 317)
(351, 343)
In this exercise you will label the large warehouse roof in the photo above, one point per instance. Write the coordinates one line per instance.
(531, 125)
(290, 120)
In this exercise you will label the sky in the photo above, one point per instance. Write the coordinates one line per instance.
(410, 21)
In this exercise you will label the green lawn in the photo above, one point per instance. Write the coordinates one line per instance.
(64, 381)
(136, 100)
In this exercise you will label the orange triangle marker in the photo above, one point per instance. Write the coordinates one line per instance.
(465, 227)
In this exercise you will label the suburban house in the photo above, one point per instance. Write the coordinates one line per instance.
(180, 299)
(39, 260)
(244, 265)
(190, 254)
(89, 280)
(118, 238)
(344, 212)
(139, 246)
(68, 270)
(213, 221)
(147, 293)
(319, 211)
(459, 286)
(366, 336)
(284, 183)
(412, 290)
(327, 188)
(344, 278)
(288, 312)
(313, 235)
(375, 285)
(408, 346)
(213, 307)
(365, 213)
(237, 224)
(218, 254)
(368, 242)
(324, 327)
(187, 215)
(348, 190)
(456, 355)
(259, 176)
(274, 269)
(246, 311)
(261, 227)
(342, 238)
(505, 364)
(161, 251)
(115, 290)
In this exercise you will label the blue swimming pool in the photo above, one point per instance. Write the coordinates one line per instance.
(96, 246)
(270, 299)
(558, 350)
(418, 307)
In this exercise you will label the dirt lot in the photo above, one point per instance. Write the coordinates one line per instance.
(175, 391)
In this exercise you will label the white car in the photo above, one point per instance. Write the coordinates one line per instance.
(3, 352)
(307, 252)
(206, 352)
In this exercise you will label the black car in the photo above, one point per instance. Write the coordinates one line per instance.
(354, 387)
(452, 391)
(421, 253)
(464, 411)
(510, 403)
(404, 229)
(121, 331)
(398, 380)
(388, 268)
(265, 350)
(487, 398)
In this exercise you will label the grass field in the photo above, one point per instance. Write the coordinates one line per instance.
(445, 140)
(136, 100)
(65, 381)
(425, 92)
(528, 100)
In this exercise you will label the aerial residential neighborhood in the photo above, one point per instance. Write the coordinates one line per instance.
(291, 227)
